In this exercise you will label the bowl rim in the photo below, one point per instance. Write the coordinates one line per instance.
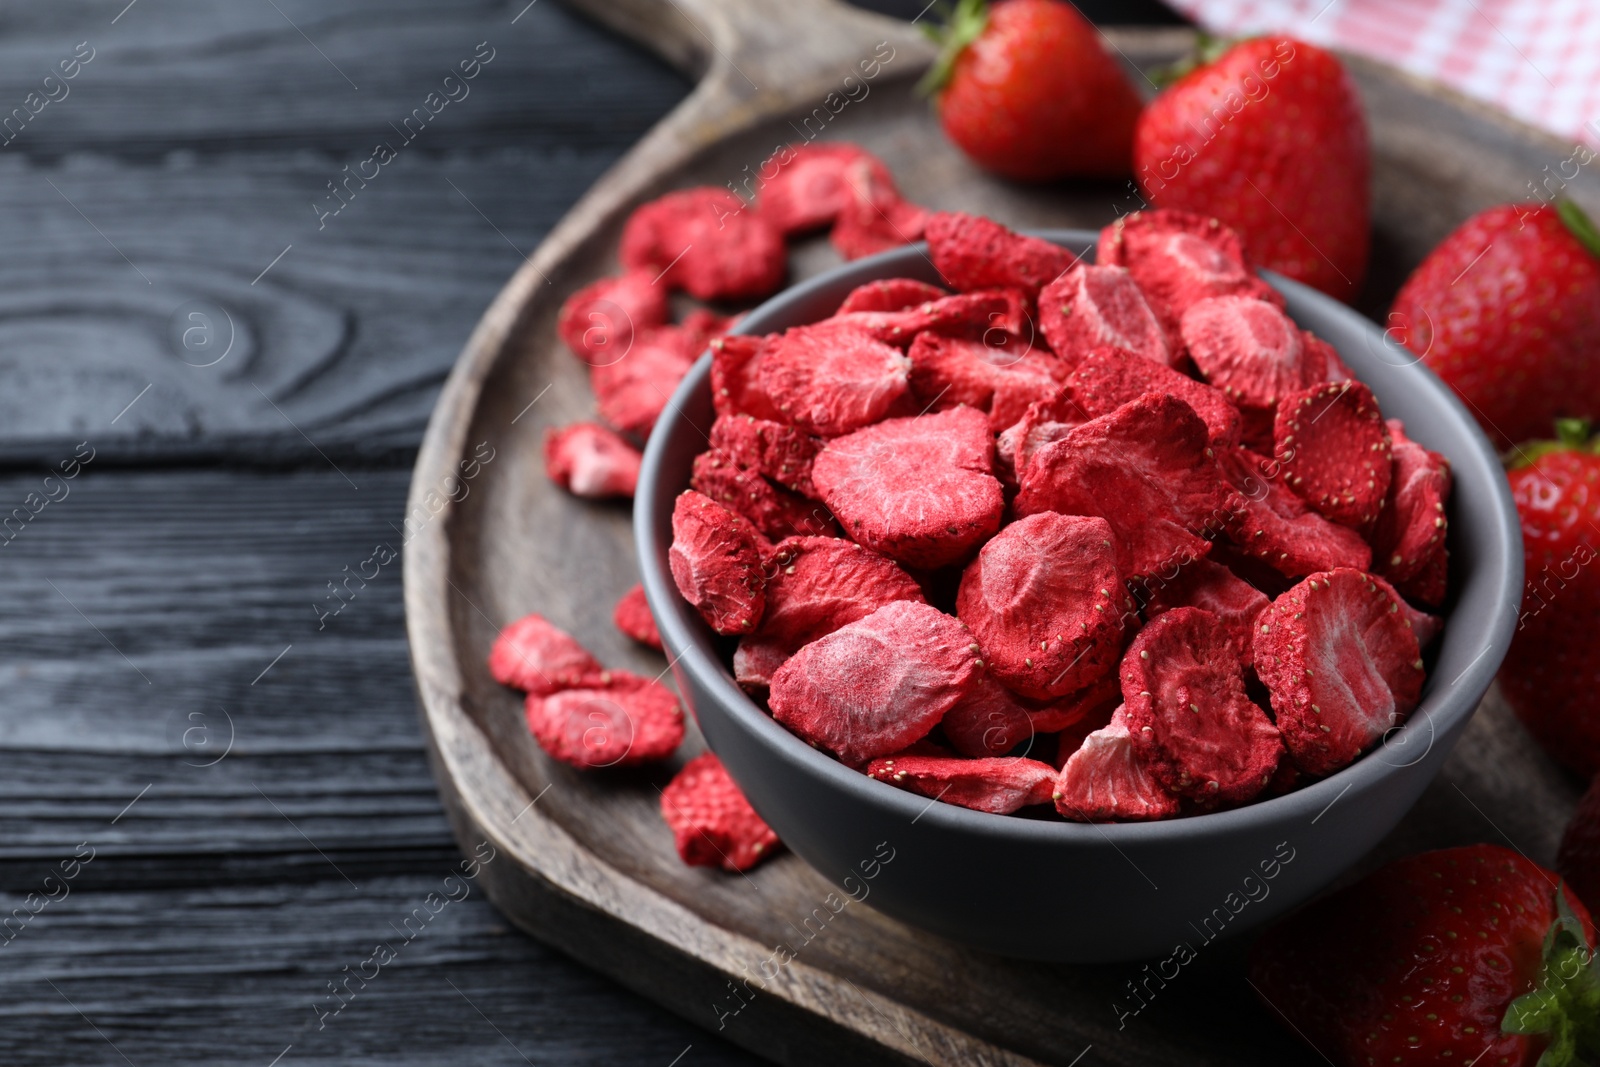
(1441, 710)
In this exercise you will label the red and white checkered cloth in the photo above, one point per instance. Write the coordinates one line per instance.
(1537, 59)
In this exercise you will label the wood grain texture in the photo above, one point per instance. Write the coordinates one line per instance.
(594, 844)
(188, 154)
(236, 975)
(201, 534)
(216, 900)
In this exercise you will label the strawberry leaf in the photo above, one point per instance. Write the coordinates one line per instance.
(1580, 225)
(962, 25)
(1572, 435)
(1207, 50)
(1564, 1006)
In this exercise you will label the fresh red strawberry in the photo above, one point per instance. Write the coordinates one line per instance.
(1269, 138)
(1507, 311)
(1460, 956)
(1550, 673)
(1029, 92)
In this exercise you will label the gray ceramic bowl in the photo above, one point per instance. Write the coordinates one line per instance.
(1054, 890)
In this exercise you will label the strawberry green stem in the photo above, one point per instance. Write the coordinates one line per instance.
(1572, 435)
(1565, 1005)
(962, 25)
(1580, 225)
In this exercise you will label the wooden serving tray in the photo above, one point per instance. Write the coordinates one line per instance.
(583, 860)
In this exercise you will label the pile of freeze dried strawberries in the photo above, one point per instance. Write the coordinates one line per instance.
(711, 245)
(708, 243)
(1155, 557)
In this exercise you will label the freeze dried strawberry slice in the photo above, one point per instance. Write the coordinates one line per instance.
(998, 785)
(633, 391)
(599, 321)
(1430, 584)
(1425, 626)
(1147, 469)
(814, 586)
(998, 317)
(705, 326)
(830, 378)
(1214, 588)
(1253, 352)
(1278, 528)
(1255, 571)
(1105, 781)
(809, 186)
(705, 241)
(919, 490)
(1335, 451)
(775, 512)
(735, 359)
(890, 294)
(1044, 422)
(1092, 307)
(973, 252)
(536, 656)
(872, 216)
(1070, 738)
(875, 222)
(780, 452)
(712, 823)
(817, 584)
(1047, 604)
(1341, 664)
(631, 720)
(1002, 381)
(873, 687)
(632, 616)
(588, 460)
(755, 662)
(1179, 259)
(1093, 703)
(1323, 354)
(1188, 716)
(987, 721)
(716, 563)
(1412, 527)
(1106, 378)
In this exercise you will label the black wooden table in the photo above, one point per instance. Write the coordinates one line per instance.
(217, 353)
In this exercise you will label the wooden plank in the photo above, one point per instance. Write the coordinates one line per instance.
(147, 609)
(185, 159)
(204, 906)
(239, 975)
(189, 75)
